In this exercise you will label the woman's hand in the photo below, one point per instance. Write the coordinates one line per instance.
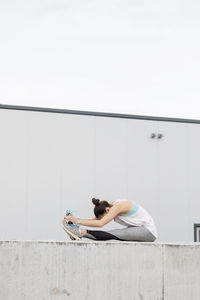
(72, 219)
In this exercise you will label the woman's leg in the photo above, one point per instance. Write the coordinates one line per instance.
(99, 235)
(134, 233)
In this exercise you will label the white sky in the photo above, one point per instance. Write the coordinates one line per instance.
(128, 56)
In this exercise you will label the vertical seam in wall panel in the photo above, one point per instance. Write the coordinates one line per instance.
(27, 173)
(187, 177)
(95, 157)
(63, 149)
(127, 123)
(60, 162)
(163, 272)
(158, 172)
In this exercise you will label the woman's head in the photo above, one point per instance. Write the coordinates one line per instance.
(101, 207)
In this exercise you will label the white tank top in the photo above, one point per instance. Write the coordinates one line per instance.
(138, 216)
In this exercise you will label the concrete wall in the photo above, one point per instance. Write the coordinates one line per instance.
(99, 270)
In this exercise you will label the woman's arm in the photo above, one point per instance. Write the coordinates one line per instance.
(85, 222)
(89, 222)
(113, 212)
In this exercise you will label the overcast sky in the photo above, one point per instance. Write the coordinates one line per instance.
(128, 56)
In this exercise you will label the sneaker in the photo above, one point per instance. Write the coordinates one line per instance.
(64, 222)
(72, 230)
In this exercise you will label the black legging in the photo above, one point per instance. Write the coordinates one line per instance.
(131, 233)
(100, 235)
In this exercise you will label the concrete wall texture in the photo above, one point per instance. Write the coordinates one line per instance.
(99, 270)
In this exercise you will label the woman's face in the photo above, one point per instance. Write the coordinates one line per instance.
(101, 216)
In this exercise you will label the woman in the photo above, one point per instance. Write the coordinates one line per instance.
(139, 224)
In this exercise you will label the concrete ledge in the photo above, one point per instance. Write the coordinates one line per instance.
(44, 270)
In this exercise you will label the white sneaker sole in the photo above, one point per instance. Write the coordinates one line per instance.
(70, 233)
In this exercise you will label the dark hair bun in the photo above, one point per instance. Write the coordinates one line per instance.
(95, 201)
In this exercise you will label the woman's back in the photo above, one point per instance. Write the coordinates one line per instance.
(138, 216)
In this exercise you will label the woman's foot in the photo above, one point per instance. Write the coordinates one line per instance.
(65, 222)
(72, 230)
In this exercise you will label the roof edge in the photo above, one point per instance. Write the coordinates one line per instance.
(94, 113)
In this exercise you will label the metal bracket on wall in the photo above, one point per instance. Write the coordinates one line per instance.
(153, 135)
(159, 136)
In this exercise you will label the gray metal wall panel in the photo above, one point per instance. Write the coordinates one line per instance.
(173, 223)
(13, 174)
(44, 176)
(111, 160)
(142, 164)
(193, 171)
(78, 164)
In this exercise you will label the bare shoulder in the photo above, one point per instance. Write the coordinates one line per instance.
(122, 203)
(124, 206)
